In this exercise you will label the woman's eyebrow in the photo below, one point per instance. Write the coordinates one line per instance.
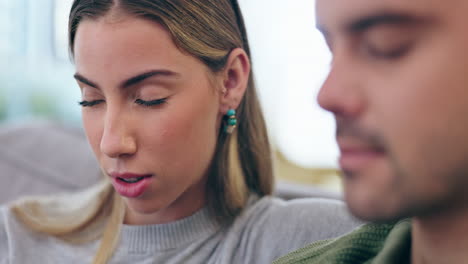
(143, 76)
(82, 79)
(132, 80)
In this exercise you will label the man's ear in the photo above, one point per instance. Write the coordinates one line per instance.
(235, 78)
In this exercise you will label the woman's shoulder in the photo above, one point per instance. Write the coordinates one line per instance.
(64, 224)
(16, 238)
(280, 226)
(3, 237)
(10, 228)
(7, 221)
(10, 225)
(322, 213)
(5, 215)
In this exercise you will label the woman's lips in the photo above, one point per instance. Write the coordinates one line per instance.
(131, 185)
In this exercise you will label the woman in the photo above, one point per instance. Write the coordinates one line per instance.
(171, 113)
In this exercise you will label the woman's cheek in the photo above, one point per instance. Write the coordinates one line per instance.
(93, 130)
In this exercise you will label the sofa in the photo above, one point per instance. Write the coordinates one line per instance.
(45, 157)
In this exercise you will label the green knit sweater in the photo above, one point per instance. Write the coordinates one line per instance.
(369, 244)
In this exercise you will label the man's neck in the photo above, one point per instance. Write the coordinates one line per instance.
(440, 239)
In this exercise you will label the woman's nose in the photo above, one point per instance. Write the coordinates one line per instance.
(117, 139)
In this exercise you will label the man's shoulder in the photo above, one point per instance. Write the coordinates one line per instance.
(356, 247)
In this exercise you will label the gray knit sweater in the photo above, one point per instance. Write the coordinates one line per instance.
(267, 229)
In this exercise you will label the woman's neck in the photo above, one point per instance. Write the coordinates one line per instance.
(184, 206)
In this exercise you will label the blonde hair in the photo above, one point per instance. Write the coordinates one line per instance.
(208, 30)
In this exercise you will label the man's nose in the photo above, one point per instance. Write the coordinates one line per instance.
(342, 92)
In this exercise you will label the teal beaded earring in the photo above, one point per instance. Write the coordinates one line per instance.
(231, 121)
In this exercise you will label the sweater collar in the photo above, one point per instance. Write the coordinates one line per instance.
(141, 239)
(397, 247)
(371, 243)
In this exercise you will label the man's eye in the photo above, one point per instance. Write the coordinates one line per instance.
(387, 53)
(152, 102)
(90, 103)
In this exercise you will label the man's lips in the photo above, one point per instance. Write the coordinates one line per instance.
(355, 156)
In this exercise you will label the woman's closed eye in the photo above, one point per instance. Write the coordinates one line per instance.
(151, 102)
(92, 103)
(86, 103)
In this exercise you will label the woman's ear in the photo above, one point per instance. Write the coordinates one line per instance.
(235, 80)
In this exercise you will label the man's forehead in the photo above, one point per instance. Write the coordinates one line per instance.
(335, 14)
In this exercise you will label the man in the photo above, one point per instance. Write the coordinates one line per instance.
(398, 89)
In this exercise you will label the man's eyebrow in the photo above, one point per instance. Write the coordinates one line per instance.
(131, 81)
(365, 23)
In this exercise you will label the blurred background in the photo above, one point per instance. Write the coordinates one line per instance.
(290, 61)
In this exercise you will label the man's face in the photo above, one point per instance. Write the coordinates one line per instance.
(398, 89)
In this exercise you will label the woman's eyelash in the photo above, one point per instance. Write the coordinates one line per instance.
(90, 103)
(151, 103)
(138, 101)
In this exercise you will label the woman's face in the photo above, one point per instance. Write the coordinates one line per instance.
(151, 114)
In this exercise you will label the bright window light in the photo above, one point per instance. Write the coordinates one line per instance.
(291, 61)
(61, 12)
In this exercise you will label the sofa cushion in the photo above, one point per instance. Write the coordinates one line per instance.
(42, 157)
